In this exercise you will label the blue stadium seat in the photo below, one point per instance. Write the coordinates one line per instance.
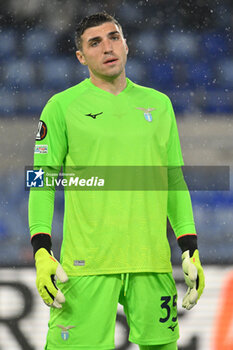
(39, 43)
(33, 101)
(8, 102)
(136, 70)
(7, 43)
(199, 74)
(19, 73)
(56, 73)
(146, 43)
(214, 45)
(79, 72)
(182, 101)
(3, 230)
(128, 12)
(182, 45)
(162, 75)
(225, 69)
(218, 101)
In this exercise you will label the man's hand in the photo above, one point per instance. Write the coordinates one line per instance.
(194, 278)
(47, 268)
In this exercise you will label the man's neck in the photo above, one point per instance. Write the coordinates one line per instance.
(114, 86)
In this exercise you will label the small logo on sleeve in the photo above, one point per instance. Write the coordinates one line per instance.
(41, 149)
(42, 131)
(35, 178)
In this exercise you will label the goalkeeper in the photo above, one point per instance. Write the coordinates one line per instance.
(115, 247)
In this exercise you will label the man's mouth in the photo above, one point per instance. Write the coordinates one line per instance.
(110, 61)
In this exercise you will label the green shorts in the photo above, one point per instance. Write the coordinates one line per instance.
(87, 319)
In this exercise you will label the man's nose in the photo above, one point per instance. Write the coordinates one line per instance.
(107, 46)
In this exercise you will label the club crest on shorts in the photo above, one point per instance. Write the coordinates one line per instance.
(147, 113)
(65, 331)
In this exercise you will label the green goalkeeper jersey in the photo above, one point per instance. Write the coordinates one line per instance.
(109, 231)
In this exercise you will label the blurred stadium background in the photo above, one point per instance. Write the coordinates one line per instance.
(182, 48)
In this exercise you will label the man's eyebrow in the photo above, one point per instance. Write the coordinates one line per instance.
(99, 37)
(95, 38)
(114, 32)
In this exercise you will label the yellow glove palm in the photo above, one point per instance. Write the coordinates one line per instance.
(194, 278)
(47, 267)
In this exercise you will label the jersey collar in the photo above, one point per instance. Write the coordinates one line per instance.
(99, 90)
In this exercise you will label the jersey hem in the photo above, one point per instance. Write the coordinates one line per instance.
(72, 347)
(154, 342)
(126, 270)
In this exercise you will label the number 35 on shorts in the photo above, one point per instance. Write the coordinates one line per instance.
(169, 308)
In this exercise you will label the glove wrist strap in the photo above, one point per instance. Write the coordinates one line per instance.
(188, 242)
(41, 240)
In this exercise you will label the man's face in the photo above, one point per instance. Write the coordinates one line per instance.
(104, 50)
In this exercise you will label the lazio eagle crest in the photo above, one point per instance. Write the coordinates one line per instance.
(147, 113)
(65, 331)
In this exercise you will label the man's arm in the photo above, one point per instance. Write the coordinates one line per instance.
(51, 135)
(180, 215)
(40, 216)
(41, 207)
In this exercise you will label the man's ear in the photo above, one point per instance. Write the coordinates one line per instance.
(80, 57)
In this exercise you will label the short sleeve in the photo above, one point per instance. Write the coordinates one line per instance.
(51, 137)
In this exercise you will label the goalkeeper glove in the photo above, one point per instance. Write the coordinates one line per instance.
(194, 278)
(47, 267)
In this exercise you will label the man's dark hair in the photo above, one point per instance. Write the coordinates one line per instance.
(92, 21)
